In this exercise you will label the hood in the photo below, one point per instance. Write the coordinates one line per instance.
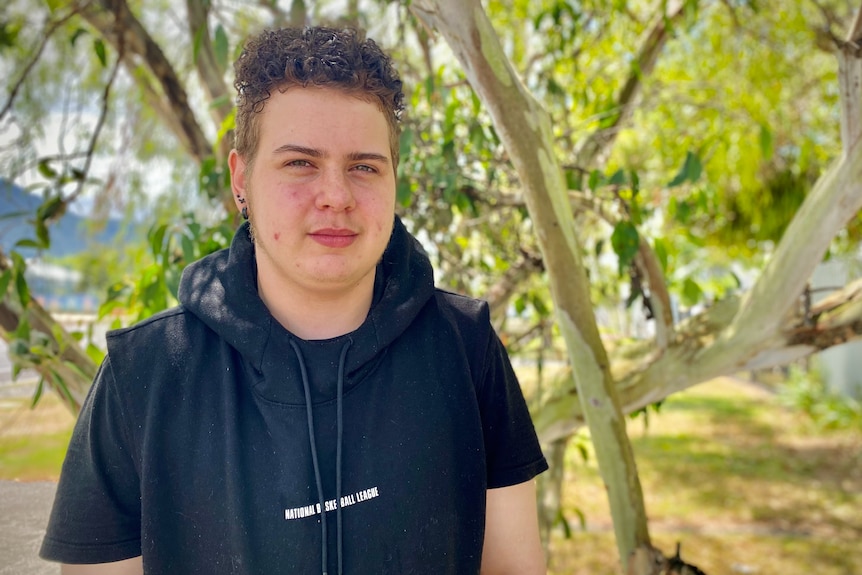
(221, 290)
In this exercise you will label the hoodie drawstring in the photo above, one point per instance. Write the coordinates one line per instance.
(339, 442)
(313, 445)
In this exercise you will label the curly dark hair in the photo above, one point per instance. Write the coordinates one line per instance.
(316, 56)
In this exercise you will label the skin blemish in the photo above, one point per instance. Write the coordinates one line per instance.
(276, 236)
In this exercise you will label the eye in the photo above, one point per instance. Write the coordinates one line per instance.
(298, 164)
(365, 168)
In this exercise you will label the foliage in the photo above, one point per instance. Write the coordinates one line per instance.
(154, 287)
(806, 391)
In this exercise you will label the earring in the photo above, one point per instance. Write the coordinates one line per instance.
(244, 211)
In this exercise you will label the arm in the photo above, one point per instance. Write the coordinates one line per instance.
(133, 566)
(512, 544)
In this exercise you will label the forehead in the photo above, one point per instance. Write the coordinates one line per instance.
(325, 114)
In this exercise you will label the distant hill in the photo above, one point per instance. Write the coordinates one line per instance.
(69, 235)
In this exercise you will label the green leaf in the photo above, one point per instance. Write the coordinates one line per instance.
(9, 34)
(404, 194)
(45, 169)
(28, 243)
(625, 241)
(5, 279)
(60, 385)
(22, 335)
(600, 247)
(51, 208)
(660, 249)
(405, 145)
(539, 305)
(636, 183)
(220, 47)
(691, 292)
(95, 353)
(196, 43)
(99, 47)
(690, 171)
(188, 249)
(595, 180)
(520, 304)
(42, 233)
(618, 178)
(37, 395)
(59, 337)
(77, 34)
(766, 142)
(77, 370)
(157, 239)
(23, 289)
(573, 179)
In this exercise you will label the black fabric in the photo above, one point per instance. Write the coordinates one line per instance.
(193, 445)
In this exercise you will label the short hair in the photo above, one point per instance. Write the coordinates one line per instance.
(314, 56)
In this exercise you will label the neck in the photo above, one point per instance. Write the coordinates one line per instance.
(318, 314)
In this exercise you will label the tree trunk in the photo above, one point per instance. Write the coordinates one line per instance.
(525, 130)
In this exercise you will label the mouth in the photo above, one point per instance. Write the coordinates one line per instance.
(334, 237)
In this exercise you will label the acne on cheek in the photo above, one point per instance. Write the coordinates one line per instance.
(276, 236)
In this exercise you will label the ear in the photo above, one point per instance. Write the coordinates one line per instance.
(237, 167)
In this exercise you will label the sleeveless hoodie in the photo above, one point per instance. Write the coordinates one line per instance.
(215, 441)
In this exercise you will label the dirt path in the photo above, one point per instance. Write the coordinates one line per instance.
(24, 509)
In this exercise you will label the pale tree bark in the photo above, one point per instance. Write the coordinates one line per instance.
(524, 128)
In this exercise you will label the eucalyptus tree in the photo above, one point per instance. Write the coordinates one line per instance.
(765, 326)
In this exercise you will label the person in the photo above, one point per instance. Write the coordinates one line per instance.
(314, 404)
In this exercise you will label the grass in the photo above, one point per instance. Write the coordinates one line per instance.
(33, 441)
(745, 485)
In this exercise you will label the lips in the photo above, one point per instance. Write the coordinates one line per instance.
(334, 237)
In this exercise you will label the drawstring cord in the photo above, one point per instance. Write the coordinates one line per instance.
(340, 434)
(313, 445)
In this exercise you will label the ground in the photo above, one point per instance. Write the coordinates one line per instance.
(747, 486)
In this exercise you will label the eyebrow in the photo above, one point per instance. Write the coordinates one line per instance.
(313, 152)
(316, 153)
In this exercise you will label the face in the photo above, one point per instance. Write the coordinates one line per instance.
(321, 191)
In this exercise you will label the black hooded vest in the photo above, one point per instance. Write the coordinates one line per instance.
(214, 441)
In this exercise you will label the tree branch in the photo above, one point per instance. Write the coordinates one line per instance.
(114, 20)
(91, 148)
(645, 377)
(647, 264)
(599, 142)
(208, 68)
(68, 362)
(45, 36)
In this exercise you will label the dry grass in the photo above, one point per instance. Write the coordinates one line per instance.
(745, 485)
(33, 441)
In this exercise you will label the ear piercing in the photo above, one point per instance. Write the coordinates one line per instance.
(244, 210)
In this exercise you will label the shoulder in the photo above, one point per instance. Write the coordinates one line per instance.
(167, 335)
(471, 320)
(463, 308)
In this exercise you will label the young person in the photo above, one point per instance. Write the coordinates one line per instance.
(314, 405)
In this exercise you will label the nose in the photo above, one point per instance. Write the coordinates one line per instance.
(334, 192)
